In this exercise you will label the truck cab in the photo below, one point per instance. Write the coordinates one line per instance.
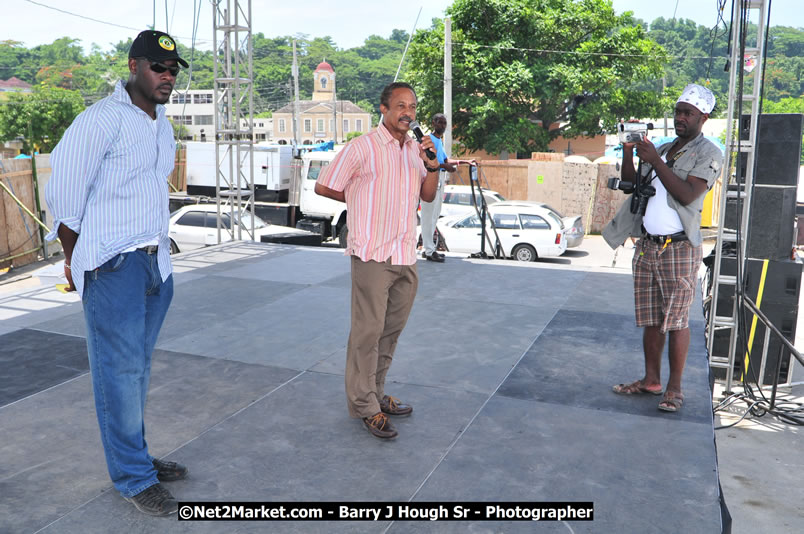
(315, 207)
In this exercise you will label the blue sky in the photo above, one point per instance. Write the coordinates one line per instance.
(348, 22)
(783, 12)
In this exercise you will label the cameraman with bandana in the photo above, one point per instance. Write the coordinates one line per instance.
(669, 250)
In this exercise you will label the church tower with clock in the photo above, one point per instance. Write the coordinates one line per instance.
(324, 82)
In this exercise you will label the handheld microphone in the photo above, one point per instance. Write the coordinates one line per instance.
(416, 128)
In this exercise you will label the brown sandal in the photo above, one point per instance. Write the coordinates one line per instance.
(672, 401)
(634, 388)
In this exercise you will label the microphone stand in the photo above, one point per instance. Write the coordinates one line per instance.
(482, 212)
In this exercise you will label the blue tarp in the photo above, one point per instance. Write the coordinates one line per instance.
(323, 147)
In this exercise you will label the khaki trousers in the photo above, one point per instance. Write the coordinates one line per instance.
(382, 296)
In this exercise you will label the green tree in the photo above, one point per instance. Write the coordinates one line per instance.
(179, 130)
(697, 54)
(521, 67)
(57, 61)
(783, 78)
(96, 76)
(39, 118)
(372, 108)
(13, 58)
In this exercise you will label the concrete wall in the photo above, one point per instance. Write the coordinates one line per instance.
(507, 177)
(589, 147)
(606, 201)
(571, 188)
(545, 182)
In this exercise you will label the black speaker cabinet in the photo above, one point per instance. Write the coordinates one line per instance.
(734, 206)
(779, 147)
(780, 294)
(772, 222)
(784, 320)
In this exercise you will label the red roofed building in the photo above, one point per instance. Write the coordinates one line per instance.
(324, 117)
(15, 84)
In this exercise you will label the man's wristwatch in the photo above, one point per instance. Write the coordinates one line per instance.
(432, 169)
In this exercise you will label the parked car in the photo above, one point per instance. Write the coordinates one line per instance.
(196, 226)
(458, 199)
(573, 226)
(527, 231)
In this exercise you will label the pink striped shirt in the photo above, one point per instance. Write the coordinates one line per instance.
(382, 183)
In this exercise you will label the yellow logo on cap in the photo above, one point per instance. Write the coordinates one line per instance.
(166, 43)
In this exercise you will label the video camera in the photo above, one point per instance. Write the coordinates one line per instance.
(632, 132)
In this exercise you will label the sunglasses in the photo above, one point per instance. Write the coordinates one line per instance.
(159, 68)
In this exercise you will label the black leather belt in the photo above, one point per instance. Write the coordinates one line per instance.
(150, 249)
(662, 239)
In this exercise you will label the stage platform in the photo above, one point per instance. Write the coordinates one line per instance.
(509, 367)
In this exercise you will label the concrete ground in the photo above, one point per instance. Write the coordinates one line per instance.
(760, 460)
(247, 390)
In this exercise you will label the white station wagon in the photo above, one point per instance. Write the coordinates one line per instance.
(526, 231)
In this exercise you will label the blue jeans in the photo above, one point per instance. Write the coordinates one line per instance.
(125, 303)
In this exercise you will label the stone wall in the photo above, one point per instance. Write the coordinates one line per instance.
(571, 188)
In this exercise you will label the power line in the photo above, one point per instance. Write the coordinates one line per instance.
(80, 16)
(40, 4)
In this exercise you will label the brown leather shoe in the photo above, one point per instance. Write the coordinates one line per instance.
(392, 406)
(435, 256)
(379, 426)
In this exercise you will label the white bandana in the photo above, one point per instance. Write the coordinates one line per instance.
(698, 96)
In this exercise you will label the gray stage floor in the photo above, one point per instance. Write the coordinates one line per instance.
(509, 368)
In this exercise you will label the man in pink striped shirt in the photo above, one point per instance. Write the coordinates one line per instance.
(381, 176)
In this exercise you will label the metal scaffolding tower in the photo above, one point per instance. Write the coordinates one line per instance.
(736, 186)
(234, 111)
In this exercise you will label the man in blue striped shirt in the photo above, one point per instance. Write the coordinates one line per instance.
(108, 194)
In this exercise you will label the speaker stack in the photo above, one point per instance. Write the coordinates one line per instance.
(771, 237)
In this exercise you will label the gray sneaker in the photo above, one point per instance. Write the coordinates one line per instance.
(169, 471)
(155, 500)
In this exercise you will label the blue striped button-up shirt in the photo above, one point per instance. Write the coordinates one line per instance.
(109, 183)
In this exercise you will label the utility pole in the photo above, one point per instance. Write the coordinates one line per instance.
(296, 110)
(36, 190)
(448, 84)
(334, 109)
(664, 86)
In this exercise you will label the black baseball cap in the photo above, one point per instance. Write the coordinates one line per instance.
(155, 46)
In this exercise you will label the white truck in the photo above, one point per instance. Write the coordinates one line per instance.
(272, 170)
(319, 214)
(284, 187)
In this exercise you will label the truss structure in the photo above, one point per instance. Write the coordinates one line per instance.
(234, 112)
(745, 92)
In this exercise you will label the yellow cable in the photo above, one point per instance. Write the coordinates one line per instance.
(747, 360)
